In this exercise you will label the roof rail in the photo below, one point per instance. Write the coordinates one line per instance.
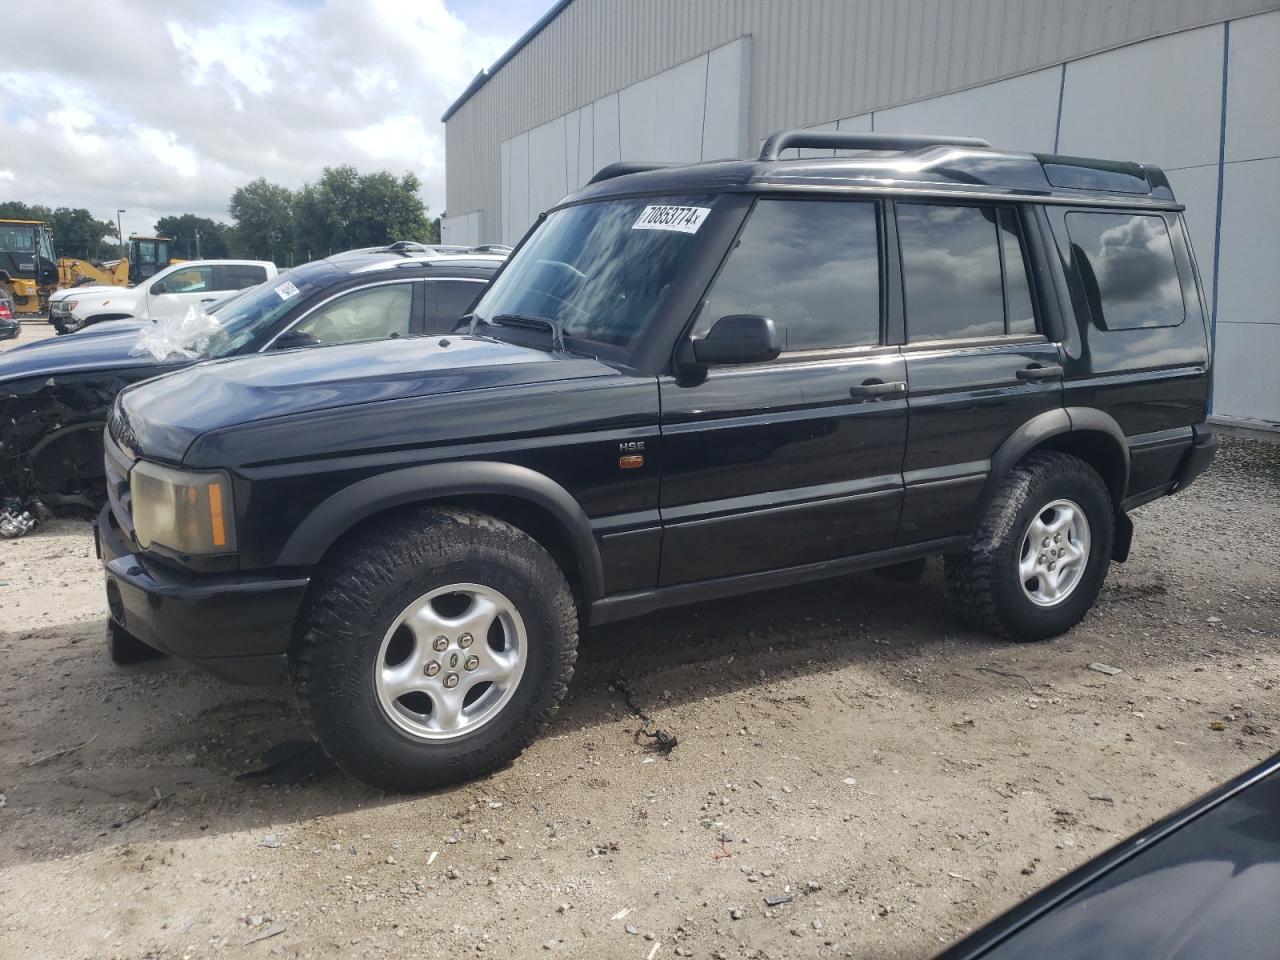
(829, 140)
(625, 167)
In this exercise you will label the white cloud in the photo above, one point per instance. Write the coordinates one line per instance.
(165, 110)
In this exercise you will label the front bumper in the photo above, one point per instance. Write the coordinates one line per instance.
(236, 626)
(9, 329)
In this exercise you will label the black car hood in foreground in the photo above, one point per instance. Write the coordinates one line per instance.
(103, 346)
(1203, 884)
(166, 415)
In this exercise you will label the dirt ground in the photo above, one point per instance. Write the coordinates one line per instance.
(845, 744)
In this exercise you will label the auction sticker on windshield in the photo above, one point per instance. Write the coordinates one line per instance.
(680, 219)
(287, 290)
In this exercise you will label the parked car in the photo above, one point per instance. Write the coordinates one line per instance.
(170, 292)
(1199, 885)
(686, 383)
(55, 393)
(10, 325)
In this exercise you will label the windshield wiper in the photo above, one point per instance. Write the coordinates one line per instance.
(532, 323)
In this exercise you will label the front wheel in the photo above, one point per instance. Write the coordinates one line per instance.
(433, 648)
(1040, 553)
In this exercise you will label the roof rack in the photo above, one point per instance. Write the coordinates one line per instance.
(625, 167)
(829, 140)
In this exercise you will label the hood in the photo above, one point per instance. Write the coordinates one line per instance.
(104, 346)
(93, 300)
(87, 290)
(166, 415)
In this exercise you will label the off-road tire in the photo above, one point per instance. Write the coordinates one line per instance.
(364, 587)
(982, 582)
(126, 649)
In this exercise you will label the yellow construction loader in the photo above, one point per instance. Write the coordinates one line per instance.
(28, 271)
(147, 255)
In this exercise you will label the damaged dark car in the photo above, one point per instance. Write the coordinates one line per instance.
(55, 394)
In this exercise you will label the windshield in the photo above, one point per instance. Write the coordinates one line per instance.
(18, 238)
(242, 317)
(600, 270)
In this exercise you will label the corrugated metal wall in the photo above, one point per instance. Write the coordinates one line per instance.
(812, 60)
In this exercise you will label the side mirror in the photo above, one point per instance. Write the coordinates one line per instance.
(157, 287)
(292, 339)
(738, 338)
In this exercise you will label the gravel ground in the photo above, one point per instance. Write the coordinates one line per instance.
(844, 744)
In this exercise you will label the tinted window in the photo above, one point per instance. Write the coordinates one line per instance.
(237, 276)
(1021, 315)
(812, 266)
(951, 271)
(452, 298)
(374, 313)
(601, 270)
(1126, 263)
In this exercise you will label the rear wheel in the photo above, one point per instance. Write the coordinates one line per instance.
(1040, 553)
(434, 647)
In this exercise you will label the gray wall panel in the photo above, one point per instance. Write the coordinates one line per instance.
(1158, 102)
(1253, 95)
(1018, 113)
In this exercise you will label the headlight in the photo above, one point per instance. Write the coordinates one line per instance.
(182, 510)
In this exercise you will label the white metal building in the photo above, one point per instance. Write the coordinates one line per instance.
(1190, 85)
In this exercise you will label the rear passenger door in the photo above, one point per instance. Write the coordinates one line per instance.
(448, 300)
(978, 364)
(797, 460)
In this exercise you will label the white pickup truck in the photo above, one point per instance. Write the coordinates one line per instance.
(169, 293)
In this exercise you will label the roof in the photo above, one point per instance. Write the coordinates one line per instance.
(30, 222)
(373, 261)
(484, 76)
(955, 169)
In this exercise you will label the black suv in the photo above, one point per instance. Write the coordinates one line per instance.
(687, 382)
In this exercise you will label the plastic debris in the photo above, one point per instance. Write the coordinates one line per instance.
(18, 517)
(185, 336)
(1103, 668)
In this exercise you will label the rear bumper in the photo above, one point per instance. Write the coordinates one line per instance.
(236, 626)
(1204, 445)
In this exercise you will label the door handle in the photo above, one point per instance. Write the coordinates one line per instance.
(1039, 374)
(878, 388)
(208, 299)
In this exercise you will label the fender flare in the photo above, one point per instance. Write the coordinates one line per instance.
(349, 506)
(1053, 423)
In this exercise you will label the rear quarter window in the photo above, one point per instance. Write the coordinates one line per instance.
(1126, 263)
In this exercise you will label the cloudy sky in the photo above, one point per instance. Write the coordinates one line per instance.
(165, 108)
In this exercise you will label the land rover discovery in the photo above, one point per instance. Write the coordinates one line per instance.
(687, 382)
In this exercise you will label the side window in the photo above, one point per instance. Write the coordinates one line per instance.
(1126, 263)
(373, 313)
(189, 280)
(1020, 314)
(951, 271)
(453, 298)
(812, 266)
(237, 276)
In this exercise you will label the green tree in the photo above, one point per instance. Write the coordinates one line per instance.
(77, 233)
(345, 209)
(264, 221)
(196, 236)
